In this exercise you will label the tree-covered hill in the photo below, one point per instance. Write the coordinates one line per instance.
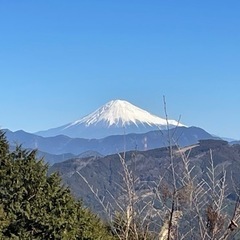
(182, 193)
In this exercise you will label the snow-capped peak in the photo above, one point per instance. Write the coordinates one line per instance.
(117, 117)
(121, 113)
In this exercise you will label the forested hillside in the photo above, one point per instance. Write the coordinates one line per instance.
(178, 193)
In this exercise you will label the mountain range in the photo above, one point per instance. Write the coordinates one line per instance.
(63, 146)
(115, 127)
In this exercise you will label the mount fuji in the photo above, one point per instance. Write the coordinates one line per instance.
(116, 117)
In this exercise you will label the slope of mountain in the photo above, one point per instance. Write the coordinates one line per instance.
(54, 158)
(104, 174)
(116, 117)
(113, 144)
(30, 141)
(235, 142)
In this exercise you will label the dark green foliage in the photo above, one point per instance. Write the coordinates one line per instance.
(36, 206)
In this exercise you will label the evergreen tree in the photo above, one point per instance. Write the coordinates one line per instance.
(36, 206)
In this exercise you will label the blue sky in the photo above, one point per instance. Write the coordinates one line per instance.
(60, 60)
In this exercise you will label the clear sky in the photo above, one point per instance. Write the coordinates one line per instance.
(61, 59)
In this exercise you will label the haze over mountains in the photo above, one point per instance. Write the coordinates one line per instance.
(115, 127)
(112, 144)
(116, 117)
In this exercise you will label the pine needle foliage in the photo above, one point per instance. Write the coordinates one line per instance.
(34, 205)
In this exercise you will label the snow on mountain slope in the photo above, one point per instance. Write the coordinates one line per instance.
(121, 113)
(113, 118)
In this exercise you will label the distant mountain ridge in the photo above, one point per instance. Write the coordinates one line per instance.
(116, 117)
(112, 144)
